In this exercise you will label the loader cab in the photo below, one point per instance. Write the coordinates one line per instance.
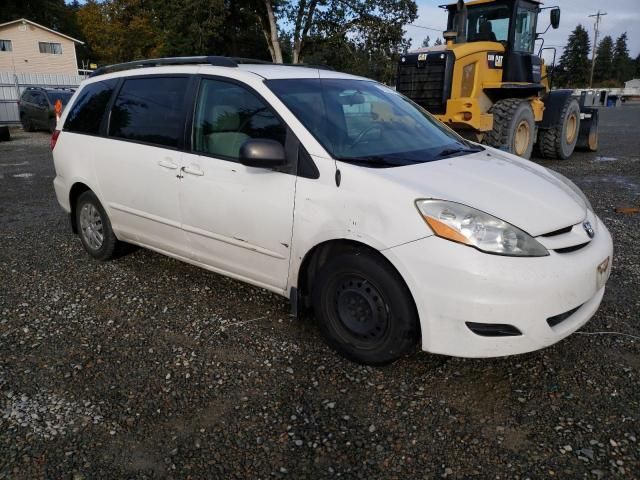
(511, 23)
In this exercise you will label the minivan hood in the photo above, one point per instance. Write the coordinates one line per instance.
(515, 190)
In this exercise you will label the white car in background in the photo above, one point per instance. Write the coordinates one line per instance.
(338, 193)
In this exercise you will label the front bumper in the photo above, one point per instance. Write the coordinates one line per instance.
(453, 284)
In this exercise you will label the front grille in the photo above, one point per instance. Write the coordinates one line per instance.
(427, 82)
(558, 232)
(558, 319)
(572, 248)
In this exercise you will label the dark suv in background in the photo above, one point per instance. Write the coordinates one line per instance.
(37, 107)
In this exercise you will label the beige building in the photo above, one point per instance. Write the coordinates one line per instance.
(26, 46)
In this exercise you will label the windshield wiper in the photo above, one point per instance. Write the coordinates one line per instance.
(374, 161)
(447, 152)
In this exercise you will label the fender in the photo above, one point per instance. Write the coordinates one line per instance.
(553, 103)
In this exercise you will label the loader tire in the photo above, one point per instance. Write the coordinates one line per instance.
(514, 127)
(560, 140)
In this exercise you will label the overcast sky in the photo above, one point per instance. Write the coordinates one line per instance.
(622, 15)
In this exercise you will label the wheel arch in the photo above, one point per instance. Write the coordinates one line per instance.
(318, 255)
(77, 189)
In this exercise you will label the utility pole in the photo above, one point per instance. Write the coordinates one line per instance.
(595, 43)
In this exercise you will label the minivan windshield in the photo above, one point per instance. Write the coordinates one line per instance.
(363, 122)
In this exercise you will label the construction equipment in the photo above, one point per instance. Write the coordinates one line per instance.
(488, 83)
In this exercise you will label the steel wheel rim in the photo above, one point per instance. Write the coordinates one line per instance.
(361, 311)
(91, 226)
(522, 138)
(572, 127)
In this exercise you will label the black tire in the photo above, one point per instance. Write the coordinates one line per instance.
(362, 285)
(512, 117)
(553, 142)
(27, 125)
(105, 249)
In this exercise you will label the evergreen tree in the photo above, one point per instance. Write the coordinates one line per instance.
(604, 57)
(637, 67)
(426, 41)
(437, 42)
(621, 62)
(575, 67)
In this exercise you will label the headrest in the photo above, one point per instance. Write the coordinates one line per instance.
(225, 118)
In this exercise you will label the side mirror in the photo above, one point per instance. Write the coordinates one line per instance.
(555, 18)
(262, 153)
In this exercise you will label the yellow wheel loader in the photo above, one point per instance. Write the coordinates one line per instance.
(489, 84)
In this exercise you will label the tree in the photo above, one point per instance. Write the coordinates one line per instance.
(53, 14)
(187, 27)
(426, 41)
(362, 20)
(575, 67)
(621, 61)
(120, 30)
(604, 56)
(437, 42)
(637, 67)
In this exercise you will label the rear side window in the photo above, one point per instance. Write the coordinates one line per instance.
(87, 111)
(150, 110)
(64, 97)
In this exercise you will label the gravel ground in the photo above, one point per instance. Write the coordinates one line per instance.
(145, 367)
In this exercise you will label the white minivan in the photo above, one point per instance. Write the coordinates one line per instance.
(338, 193)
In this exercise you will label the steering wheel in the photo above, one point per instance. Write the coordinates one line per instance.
(363, 134)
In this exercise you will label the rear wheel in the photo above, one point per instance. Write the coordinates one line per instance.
(560, 140)
(94, 227)
(364, 309)
(514, 127)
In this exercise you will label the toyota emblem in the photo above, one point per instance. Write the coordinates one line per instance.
(589, 229)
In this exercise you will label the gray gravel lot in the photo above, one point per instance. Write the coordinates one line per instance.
(145, 367)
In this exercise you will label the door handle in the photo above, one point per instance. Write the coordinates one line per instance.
(193, 170)
(167, 164)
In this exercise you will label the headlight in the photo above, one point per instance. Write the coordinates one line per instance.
(468, 77)
(466, 225)
(573, 187)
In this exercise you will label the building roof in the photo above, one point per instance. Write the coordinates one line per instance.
(24, 20)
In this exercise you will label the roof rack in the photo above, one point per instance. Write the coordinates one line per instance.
(36, 87)
(157, 62)
(201, 60)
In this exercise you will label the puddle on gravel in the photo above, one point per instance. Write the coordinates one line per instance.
(605, 159)
(619, 180)
(20, 164)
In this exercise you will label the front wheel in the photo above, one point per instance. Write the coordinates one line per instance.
(94, 227)
(514, 127)
(364, 309)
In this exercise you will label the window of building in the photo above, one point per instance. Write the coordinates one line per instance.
(88, 110)
(227, 115)
(49, 47)
(6, 46)
(150, 110)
